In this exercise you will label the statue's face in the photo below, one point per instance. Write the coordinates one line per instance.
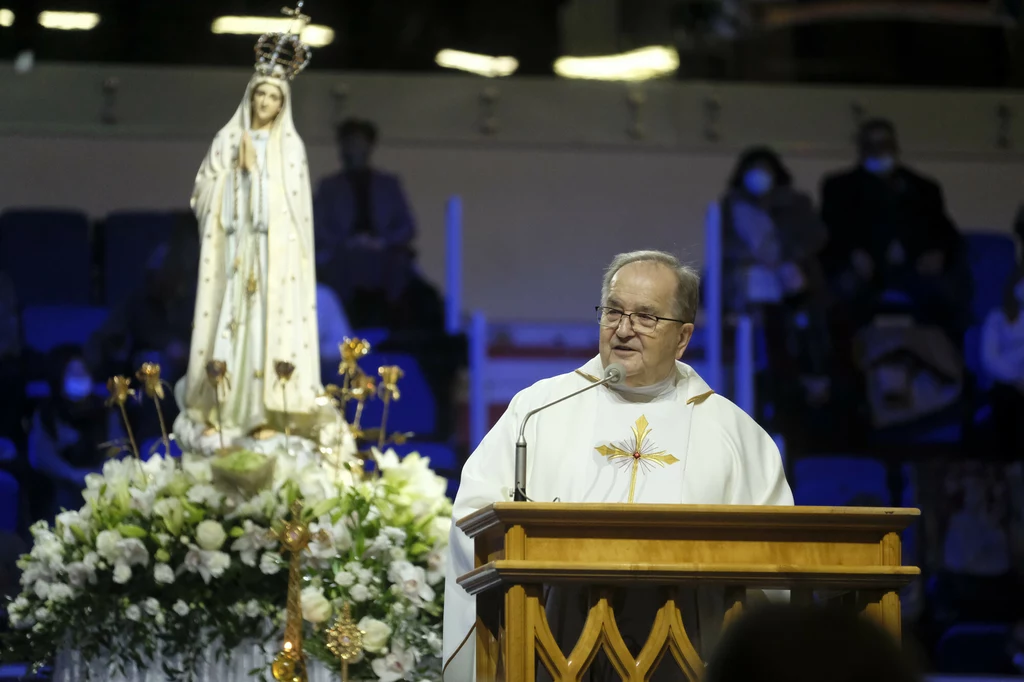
(267, 99)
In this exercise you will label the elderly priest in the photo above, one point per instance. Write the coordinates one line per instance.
(659, 436)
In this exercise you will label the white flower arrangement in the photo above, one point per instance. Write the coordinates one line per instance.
(163, 563)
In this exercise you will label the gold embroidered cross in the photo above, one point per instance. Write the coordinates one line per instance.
(636, 452)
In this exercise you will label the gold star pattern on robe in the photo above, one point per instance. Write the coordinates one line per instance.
(636, 452)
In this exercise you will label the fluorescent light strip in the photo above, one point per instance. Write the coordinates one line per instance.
(68, 21)
(314, 35)
(6, 17)
(480, 64)
(638, 65)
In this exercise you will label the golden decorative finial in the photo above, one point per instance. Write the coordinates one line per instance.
(217, 375)
(120, 390)
(294, 537)
(345, 640)
(149, 376)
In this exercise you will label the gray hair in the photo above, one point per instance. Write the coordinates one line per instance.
(687, 289)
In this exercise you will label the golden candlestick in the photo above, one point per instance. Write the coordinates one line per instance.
(345, 640)
(120, 390)
(217, 375)
(294, 537)
(149, 376)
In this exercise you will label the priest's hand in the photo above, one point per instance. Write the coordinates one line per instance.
(246, 154)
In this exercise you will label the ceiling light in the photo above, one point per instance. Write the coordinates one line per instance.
(480, 64)
(314, 35)
(69, 21)
(638, 65)
(6, 17)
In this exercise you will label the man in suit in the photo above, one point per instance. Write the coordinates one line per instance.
(888, 231)
(364, 229)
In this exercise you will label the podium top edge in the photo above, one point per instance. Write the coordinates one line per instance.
(502, 514)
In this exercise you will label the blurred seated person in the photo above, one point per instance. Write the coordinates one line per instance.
(771, 240)
(780, 643)
(68, 433)
(12, 376)
(888, 231)
(1002, 356)
(364, 230)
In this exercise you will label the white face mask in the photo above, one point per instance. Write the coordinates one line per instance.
(77, 388)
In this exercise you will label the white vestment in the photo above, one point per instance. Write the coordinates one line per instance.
(696, 447)
(256, 296)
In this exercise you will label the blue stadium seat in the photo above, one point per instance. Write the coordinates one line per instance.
(974, 648)
(415, 410)
(47, 255)
(9, 500)
(46, 327)
(828, 481)
(130, 239)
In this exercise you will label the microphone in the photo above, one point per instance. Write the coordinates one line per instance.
(613, 374)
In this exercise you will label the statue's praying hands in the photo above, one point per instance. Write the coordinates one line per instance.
(246, 154)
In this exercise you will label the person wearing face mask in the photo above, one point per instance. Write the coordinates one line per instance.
(1002, 355)
(888, 230)
(771, 240)
(364, 229)
(68, 430)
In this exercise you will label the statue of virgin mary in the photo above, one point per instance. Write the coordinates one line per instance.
(256, 295)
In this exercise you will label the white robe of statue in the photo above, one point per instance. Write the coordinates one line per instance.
(707, 451)
(256, 295)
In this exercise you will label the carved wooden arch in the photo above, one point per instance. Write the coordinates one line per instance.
(602, 632)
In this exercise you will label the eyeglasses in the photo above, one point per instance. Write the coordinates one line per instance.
(641, 322)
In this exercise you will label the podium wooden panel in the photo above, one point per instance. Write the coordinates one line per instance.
(852, 553)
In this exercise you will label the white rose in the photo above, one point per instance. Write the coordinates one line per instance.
(152, 606)
(122, 573)
(133, 612)
(344, 579)
(269, 564)
(210, 535)
(180, 608)
(252, 608)
(315, 607)
(163, 574)
(42, 589)
(376, 635)
(359, 593)
(107, 544)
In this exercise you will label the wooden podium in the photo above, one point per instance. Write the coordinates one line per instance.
(843, 553)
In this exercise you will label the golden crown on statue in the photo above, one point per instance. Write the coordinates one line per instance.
(284, 55)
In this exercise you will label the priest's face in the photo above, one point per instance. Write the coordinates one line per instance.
(266, 104)
(649, 356)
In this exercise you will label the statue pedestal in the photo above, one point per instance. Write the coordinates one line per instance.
(69, 667)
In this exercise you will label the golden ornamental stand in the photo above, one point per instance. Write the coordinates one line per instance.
(294, 536)
(345, 640)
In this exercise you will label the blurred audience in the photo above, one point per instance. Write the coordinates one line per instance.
(893, 254)
(772, 237)
(807, 644)
(153, 324)
(364, 229)
(1002, 356)
(68, 435)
